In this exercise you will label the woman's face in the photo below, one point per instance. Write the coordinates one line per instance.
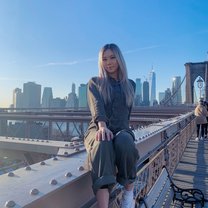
(110, 63)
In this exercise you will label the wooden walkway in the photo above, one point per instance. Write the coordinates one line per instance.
(192, 171)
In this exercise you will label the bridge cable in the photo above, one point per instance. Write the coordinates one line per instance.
(165, 101)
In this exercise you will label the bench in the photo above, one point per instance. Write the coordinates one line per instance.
(165, 193)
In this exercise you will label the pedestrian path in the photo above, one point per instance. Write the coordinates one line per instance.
(192, 170)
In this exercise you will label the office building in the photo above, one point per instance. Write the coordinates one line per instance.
(138, 92)
(168, 98)
(161, 96)
(82, 94)
(152, 87)
(58, 103)
(31, 95)
(47, 97)
(72, 100)
(17, 98)
(3, 126)
(146, 101)
(176, 90)
(138, 87)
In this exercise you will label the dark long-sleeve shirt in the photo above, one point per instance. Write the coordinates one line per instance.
(116, 113)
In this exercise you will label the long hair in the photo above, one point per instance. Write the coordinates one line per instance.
(105, 87)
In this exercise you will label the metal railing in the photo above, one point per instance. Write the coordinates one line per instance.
(65, 183)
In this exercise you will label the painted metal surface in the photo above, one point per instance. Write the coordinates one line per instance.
(40, 145)
(26, 185)
(62, 182)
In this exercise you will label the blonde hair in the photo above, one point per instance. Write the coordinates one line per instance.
(105, 87)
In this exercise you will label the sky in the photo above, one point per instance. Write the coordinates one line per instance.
(56, 43)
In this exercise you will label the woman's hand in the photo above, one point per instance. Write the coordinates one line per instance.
(103, 132)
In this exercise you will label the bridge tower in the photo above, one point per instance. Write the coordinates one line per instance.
(193, 70)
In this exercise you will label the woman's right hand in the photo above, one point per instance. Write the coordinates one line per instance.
(103, 132)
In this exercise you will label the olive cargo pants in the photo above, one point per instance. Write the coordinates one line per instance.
(111, 161)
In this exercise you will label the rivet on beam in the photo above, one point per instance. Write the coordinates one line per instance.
(53, 182)
(81, 168)
(42, 163)
(76, 149)
(68, 174)
(28, 168)
(34, 191)
(10, 174)
(66, 145)
(66, 153)
(10, 204)
(55, 158)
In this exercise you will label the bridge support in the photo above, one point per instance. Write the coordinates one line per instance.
(193, 70)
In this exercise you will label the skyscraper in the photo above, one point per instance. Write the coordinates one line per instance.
(82, 94)
(161, 96)
(176, 90)
(73, 88)
(58, 103)
(17, 98)
(167, 100)
(138, 87)
(138, 93)
(146, 93)
(152, 87)
(31, 95)
(47, 97)
(72, 101)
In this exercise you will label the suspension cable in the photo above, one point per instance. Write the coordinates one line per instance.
(165, 101)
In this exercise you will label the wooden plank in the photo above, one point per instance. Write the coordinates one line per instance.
(192, 170)
(158, 192)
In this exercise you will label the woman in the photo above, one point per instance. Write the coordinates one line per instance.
(109, 141)
(201, 119)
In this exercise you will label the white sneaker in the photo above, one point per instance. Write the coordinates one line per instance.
(197, 139)
(133, 204)
(127, 200)
(130, 205)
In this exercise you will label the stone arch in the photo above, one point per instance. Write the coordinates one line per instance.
(193, 70)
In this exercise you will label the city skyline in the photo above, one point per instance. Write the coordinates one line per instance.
(75, 91)
(56, 44)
